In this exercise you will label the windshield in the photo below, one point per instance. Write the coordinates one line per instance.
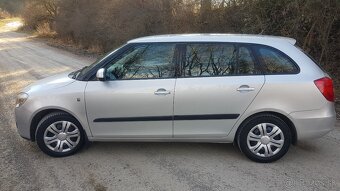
(86, 69)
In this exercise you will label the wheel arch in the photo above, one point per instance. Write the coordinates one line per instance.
(280, 115)
(42, 113)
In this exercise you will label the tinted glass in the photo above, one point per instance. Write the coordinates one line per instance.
(309, 56)
(276, 62)
(87, 69)
(246, 61)
(146, 61)
(217, 60)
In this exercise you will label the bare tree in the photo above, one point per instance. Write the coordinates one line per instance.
(105, 24)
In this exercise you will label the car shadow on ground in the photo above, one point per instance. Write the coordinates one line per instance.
(169, 148)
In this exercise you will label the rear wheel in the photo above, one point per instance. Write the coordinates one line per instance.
(264, 138)
(59, 134)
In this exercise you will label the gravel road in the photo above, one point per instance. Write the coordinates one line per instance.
(312, 165)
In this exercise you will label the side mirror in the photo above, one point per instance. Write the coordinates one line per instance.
(101, 74)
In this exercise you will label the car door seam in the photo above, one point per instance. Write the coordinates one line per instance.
(264, 82)
(173, 110)
(85, 105)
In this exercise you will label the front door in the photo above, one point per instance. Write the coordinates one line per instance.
(136, 99)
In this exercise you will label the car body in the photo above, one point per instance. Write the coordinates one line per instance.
(189, 87)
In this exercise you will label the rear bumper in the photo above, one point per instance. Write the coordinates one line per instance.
(314, 123)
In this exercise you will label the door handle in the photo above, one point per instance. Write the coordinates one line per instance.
(245, 88)
(162, 91)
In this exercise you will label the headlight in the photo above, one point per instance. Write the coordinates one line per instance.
(21, 98)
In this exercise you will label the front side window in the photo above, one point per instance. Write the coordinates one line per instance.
(221, 59)
(276, 62)
(145, 61)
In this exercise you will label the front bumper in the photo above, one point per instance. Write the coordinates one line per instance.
(314, 123)
(23, 121)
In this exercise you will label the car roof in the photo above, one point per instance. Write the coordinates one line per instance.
(241, 38)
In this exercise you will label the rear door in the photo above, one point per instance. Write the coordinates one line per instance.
(218, 82)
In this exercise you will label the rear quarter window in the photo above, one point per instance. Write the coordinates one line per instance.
(276, 62)
(310, 57)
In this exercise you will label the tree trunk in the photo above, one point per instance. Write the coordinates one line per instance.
(205, 14)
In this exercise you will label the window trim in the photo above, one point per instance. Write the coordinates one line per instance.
(180, 47)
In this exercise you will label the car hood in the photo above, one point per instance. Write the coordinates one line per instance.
(52, 82)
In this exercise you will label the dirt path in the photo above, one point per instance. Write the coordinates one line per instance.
(313, 165)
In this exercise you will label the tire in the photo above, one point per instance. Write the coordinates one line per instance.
(264, 146)
(63, 134)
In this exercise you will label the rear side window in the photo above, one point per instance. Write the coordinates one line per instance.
(275, 62)
(217, 60)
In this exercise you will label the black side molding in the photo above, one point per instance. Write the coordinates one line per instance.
(169, 118)
(125, 119)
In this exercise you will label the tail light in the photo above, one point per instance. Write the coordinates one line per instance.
(325, 85)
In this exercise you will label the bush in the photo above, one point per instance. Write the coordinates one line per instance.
(4, 14)
(105, 24)
(44, 30)
(33, 16)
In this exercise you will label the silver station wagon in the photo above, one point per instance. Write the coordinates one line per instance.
(261, 93)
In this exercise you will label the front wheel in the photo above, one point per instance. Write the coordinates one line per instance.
(264, 138)
(59, 134)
